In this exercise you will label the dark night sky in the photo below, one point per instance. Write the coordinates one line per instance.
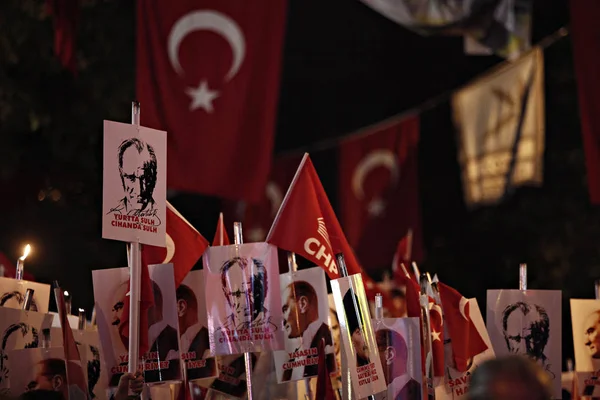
(345, 67)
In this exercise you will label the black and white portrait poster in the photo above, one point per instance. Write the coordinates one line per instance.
(358, 337)
(305, 309)
(528, 322)
(43, 369)
(134, 184)
(19, 330)
(231, 378)
(90, 351)
(399, 348)
(193, 328)
(455, 385)
(585, 316)
(13, 294)
(163, 363)
(110, 294)
(243, 298)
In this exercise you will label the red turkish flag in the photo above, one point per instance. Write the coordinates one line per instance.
(221, 237)
(436, 324)
(75, 372)
(324, 385)
(379, 192)
(307, 225)
(465, 339)
(185, 246)
(257, 218)
(208, 73)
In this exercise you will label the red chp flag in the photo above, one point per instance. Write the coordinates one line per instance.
(465, 339)
(585, 33)
(185, 246)
(307, 225)
(75, 372)
(221, 237)
(258, 217)
(208, 73)
(379, 192)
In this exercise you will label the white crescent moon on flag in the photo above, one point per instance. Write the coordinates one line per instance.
(210, 21)
(437, 309)
(372, 160)
(275, 196)
(170, 250)
(462, 307)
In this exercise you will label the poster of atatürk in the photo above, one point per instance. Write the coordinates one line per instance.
(585, 316)
(399, 348)
(305, 310)
(162, 363)
(134, 184)
(455, 384)
(528, 322)
(88, 342)
(44, 369)
(358, 337)
(12, 294)
(193, 328)
(243, 298)
(110, 294)
(19, 330)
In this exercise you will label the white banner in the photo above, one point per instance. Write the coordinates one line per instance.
(305, 323)
(360, 345)
(500, 122)
(528, 322)
(243, 298)
(134, 191)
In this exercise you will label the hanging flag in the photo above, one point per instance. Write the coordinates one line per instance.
(436, 323)
(185, 246)
(500, 122)
(502, 26)
(66, 18)
(379, 192)
(585, 32)
(76, 377)
(306, 224)
(209, 73)
(221, 238)
(466, 341)
(258, 217)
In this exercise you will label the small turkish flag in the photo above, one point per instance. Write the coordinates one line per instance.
(75, 372)
(379, 192)
(208, 73)
(307, 225)
(465, 339)
(221, 238)
(436, 324)
(324, 386)
(185, 246)
(412, 292)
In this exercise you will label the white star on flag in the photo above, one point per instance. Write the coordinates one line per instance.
(376, 207)
(435, 335)
(202, 97)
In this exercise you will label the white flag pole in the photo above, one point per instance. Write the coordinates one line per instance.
(238, 240)
(221, 228)
(597, 289)
(292, 268)
(427, 345)
(135, 277)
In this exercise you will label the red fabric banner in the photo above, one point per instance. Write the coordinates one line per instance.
(208, 73)
(379, 194)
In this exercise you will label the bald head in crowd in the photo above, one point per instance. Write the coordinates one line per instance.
(513, 377)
